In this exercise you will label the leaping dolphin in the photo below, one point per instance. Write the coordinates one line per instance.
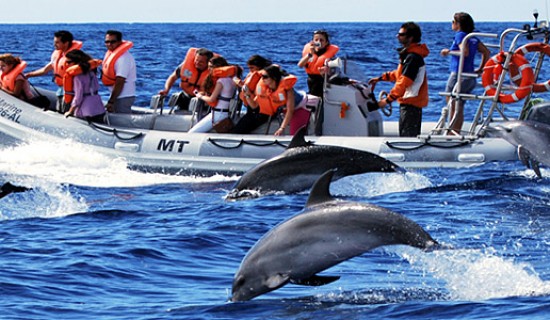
(8, 188)
(532, 139)
(302, 163)
(326, 233)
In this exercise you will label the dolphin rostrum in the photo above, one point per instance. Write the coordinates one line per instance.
(302, 163)
(532, 138)
(326, 233)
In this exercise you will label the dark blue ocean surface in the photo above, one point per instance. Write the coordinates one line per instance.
(94, 240)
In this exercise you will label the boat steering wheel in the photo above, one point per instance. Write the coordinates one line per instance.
(388, 108)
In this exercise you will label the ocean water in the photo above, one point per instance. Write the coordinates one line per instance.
(94, 240)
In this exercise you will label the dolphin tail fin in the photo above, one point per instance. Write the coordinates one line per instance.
(320, 191)
(315, 280)
(299, 139)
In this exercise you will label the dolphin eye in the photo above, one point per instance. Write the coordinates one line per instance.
(240, 281)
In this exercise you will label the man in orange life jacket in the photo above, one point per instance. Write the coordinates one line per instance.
(63, 42)
(192, 72)
(119, 73)
(411, 82)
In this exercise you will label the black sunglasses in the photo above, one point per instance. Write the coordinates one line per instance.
(265, 76)
(110, 41)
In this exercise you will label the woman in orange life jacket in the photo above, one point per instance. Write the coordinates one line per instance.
(12, 79)
(314, 55)
(222, 89)
(248, 86)
(275, 89)
(81, 87)
(63, 42)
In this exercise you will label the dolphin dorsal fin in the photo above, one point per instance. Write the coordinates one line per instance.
(299, 139)
(320, 191)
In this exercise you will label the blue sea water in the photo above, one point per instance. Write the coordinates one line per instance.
(94, 240)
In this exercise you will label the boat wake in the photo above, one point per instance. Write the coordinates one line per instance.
(52, 170)
(73, 163)
(45, 200)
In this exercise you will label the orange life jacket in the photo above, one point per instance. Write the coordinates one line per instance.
(250, 82)
(270, 100)
(8, 79)
(108, 74)
(70, 73)
(58, 56)
(191, 78)
(222, 72)
(316, 62)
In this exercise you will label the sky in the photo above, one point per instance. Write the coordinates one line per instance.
(79, 11)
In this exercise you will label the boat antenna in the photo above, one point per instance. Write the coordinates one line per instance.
(536, 15)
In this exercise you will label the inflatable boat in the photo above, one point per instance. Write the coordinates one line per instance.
(155, 138)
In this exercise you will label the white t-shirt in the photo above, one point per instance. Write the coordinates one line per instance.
(125, 67)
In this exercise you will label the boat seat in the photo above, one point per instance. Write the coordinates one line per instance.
(127, 120)
(173, 122)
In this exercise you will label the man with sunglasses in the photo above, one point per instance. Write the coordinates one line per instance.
(411, 82)
(119, 73)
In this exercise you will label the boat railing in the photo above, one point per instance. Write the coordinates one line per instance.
(446, 119)
(496, 106)
(482, 120)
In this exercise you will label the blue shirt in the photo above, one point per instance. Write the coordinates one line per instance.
(469, 60)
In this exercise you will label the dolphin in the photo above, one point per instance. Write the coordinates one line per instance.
(326, 233)
(297, 168)
(8, 188)
(532, 139)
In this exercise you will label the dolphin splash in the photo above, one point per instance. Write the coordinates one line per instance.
(8, 188)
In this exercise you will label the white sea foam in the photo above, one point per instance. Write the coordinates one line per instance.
(374, 184)
(477, 275)
(76, 164)
(45, 200)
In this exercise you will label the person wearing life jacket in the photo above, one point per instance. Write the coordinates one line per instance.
(248, 86)
(463, 24)
(119, 73)
(63, 42)
(275, 89)
(81, 87)
(192, 72)
(12, 79)
(222, 87)
(314, 55)
(411, 82)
